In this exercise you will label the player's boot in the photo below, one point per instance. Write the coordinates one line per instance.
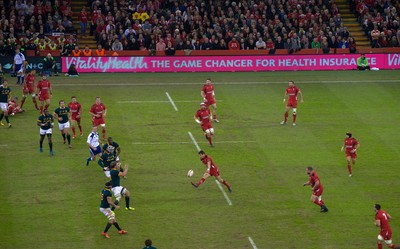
(9, 125)
(216, 120)
(283, 122)
(41, 149)
(294, 124)
(1, 123)
(81, 133)
(129, 209)
(194, 185)
(105, 235)
(230, 189)
(122, 232)
(74, 136)
(324, 209)
(87, 162)
(65, 141)
(51, 153)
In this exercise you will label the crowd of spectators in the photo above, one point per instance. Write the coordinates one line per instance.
(30, 24)
(380, 21)
(212, 24)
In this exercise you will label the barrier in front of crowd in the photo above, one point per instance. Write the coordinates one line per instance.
(143, 64)
(34, 63)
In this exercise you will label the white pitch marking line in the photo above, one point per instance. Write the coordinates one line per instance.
(177, 142)
(219, 184)
(194, 141)
(231, 83)
(155, 101)
(3, 145)
(252, 243)
(223, 191)
(172, 102)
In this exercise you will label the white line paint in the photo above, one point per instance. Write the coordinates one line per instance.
(158, 101)
(228, 83)
(3, 145)
(219, 184)
(252, 243)
(194, 141)
(223, 191)
(172, 102)
(182, 142)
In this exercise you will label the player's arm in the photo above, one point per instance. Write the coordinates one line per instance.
(196, 118)
(316, 185)
(52, 122)
(100, 162)
(118, 149)
(203, 94)
(105, 111)
(79, 112)
(284, 96)
(208, 166)
(39, 123)
(92, 113)
(378, 223)
(301, 96)
(51, 90)
(344, 145)
(125, 172)
(306, 184)
(110, 201)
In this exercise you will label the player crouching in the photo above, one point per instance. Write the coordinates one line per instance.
(13, 107)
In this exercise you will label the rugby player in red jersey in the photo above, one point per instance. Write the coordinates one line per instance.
(382, 219)
(29, 88)
(44, 92)
(203, 117)
(351, 144)
(76, 111)
(212, 170)
(13, 107)
(98, 112)
(292, 92)
(207, 92)
(317, 188)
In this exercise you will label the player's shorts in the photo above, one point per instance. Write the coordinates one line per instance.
(98, 121)
(118, 191)
(318, 192)
(18, 68)
(206, 126)
(210, 101)
(29, 90)
(45, 132)
(63, 126)
(74, 118)
(4, 106)
(214, 171)
(44, 96)
(292, 103)
(352, 155)
(385, 236)
(96, 151)
(108, 213)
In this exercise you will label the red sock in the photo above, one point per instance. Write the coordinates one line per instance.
(209, 139)
(379, 246)
(286, 116)
(22, 102)
(393, 246)
(35, 102)
(73, 130)
(46, 106)
(349, 168)
(103, 131)
(41, 109)
(294, 118)
(201, 181)
(80, 127)
(318, 203)
(226, 184)
(215, 117)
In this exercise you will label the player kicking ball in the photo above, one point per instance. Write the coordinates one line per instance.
(212, 170)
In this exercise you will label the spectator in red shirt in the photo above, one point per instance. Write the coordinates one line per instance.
(83, 20)
(233, 44)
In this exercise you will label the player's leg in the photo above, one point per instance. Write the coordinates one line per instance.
(50, 144)
(41, 104)
(111, 219)
(47, 103)
(80, 126)
(2, 116)
(286, 115)
(5, 113)
(215, 112)
(73, 122)
(126, 194)
(41, 142)
(34, 100)
(63, 135)
(205, 176)
(66, 131)
(103, 131)
(218, 177)
(349, 168)
(294, 115)
(208, 134)
(24, 95)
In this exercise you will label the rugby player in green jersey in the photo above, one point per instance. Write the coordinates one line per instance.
(105, 162)
(117, 189)
(106, 202)
(5, 96)
(46, 122)
(62, 115)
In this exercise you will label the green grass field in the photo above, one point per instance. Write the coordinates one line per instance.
(53, 202)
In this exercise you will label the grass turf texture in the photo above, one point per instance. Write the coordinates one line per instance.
(52, 202)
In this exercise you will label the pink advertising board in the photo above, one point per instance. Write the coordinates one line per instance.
(227, 63)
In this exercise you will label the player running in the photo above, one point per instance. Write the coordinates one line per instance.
(317, 189)
(62, 115)
(203, 117)
(98, 112)
(29, 88)
(117, 189)
(76, 111)
(292, 91)
(382, 219)
(5, 97)
(44, 92)
(351, 144)
(212, 170)
(106, 202)
(207, 92)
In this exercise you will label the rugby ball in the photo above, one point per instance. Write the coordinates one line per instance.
(190, 173)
